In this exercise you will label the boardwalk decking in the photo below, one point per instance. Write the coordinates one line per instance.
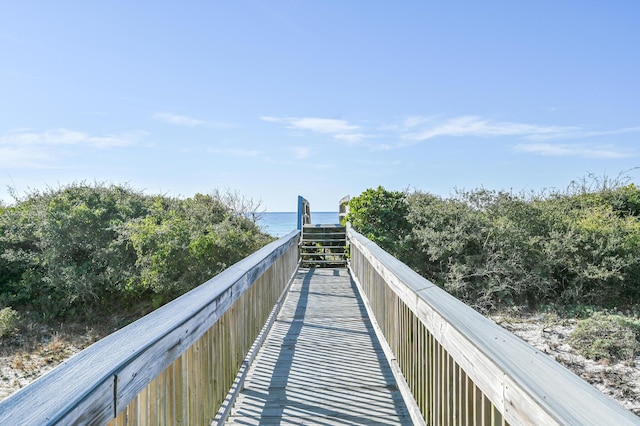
(321, 363)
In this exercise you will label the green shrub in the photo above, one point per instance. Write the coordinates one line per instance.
(182, 243)
(602, 336)
(484, 247)
(494, 248)
(64, 247)
(9, 320)
(69, 251)
(381, 216)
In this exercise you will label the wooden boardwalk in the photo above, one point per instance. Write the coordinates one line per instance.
(321, 362)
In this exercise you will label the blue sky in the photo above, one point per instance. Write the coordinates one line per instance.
(320, 98)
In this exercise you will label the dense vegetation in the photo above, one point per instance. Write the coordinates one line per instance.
(492, 249)
(607, 336)
(85, 249)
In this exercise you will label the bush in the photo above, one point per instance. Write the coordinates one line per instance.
(381, 216)
(602, 336)
(482, 246)
(497, 248)
(9, 320)
(64, 246)
(182, 243)
(68, 251)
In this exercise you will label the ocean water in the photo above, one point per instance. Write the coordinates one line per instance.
(280, 224)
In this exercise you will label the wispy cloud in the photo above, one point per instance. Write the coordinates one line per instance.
(61, 136)
(351, 138)
(587, 133)
(338, 129)
(415, 120)
(420, 129)
(301, 152)
(606, 152)
(28, 157)
(479, 127)
(233, 152)
(24, 148)
(416, 129)
(178, 120)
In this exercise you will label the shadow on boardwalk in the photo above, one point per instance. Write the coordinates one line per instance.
(321, 362)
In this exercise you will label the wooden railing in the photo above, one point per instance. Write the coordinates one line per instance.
(343, 209)
(462, 368)
(174, 366)
(304, 212)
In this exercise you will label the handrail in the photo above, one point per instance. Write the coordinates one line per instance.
(304, 212)
(343, 209)
(461, 367)
(175, 365)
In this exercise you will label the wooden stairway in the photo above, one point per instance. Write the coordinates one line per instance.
(323, 246)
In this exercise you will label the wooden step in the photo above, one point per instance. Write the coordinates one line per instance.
(323, 244)
(322, 263)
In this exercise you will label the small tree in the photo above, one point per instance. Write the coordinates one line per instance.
(381, 216)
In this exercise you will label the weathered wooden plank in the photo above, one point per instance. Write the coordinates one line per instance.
(87, 413)
(321, 361)
(506, 369)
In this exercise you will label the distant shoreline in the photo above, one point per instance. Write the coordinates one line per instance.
(279, 224)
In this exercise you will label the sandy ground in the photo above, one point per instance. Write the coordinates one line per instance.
(22, 360)
(550, 334)
(26, 356)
